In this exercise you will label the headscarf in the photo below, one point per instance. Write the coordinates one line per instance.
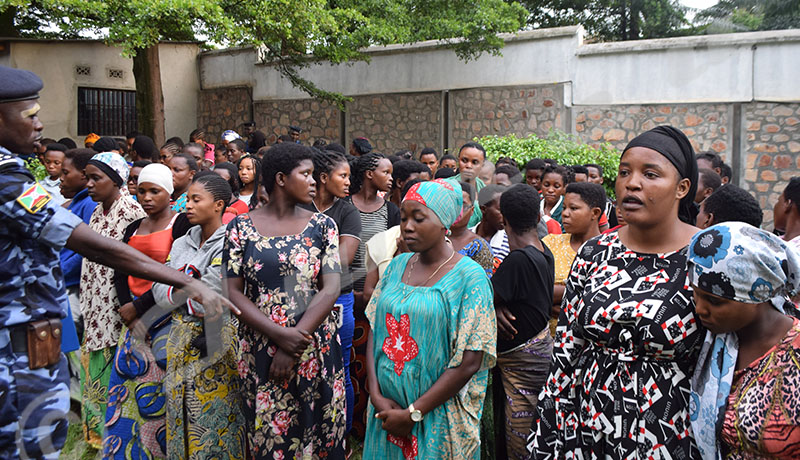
(158, 174)
(230, 135)
(113, 165)
(739, 262)
(442, 197)
(675, 146)
(91, 139)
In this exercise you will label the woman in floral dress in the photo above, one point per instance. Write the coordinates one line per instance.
(282, 270)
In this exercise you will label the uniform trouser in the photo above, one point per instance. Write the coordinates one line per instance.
(33, 405)
(346, 337)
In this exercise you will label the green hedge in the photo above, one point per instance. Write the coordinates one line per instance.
(36, 168)
(566, 149)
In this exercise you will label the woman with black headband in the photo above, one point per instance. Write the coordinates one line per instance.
(627, 339)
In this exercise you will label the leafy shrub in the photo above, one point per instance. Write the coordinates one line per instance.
(565, 148)
(36, 168)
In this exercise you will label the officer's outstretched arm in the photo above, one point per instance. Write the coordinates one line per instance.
(120, 256)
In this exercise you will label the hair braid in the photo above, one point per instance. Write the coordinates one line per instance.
(360, 166)
(256, 180)
(216, 186)
(325, 161)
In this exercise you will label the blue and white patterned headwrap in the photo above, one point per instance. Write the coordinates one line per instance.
(230, 135)
(739, 262)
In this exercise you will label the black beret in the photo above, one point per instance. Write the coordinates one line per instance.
(18, 85)
(296, 129)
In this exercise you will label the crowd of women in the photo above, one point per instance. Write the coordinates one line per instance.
(425, 305)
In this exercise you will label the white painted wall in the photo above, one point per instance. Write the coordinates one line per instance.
(55, 61)
(536, 57)
(719, 68)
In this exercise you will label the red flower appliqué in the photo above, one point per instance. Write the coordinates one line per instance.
(399, 346)
(409, 445)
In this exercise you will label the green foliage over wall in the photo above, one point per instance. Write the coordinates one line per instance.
(566, 149)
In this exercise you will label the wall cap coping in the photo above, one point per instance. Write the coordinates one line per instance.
(527, 35)
(700, 41)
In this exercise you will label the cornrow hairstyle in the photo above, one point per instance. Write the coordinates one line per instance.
(595, 166)
(746, 210)
(326, 161)
(536, 164)
(175, 140)
(593, 195)
(233, 172)
(256, 179)
(360, 166)
(216, 186)
(566, 173)
(80, 157)
(172, 148)
(515, 206)
(282, 158)
(198, 134)
(473, 145)
(190, 161)
(514, 176)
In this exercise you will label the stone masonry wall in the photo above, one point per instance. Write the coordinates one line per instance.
(317, 119)
(771, 151)
(394, 122)
(708, 126)
(499, 111)
(222, 109)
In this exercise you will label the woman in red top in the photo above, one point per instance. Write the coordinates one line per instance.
(138, 366)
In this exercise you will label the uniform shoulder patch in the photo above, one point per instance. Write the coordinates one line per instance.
(34, 199)
(216, 261)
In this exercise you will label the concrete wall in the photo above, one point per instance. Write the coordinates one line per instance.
(55, 62)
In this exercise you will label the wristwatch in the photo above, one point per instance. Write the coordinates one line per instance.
(416, 415)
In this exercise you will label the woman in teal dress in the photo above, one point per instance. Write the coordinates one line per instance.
(433, 339)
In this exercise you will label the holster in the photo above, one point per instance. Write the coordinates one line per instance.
(44, 343)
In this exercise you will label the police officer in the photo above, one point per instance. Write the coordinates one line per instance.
(34, 393)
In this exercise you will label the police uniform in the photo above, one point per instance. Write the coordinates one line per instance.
(33, 403)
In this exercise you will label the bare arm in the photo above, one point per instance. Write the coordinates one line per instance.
(120, 256)
(322, 303)
(347, 249)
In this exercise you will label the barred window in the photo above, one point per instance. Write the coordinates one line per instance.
(106, 112)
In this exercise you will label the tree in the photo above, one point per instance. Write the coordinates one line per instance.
(610, 20)
(291, 34)
(747, 15)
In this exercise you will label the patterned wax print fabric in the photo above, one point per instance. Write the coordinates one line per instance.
(735, 261)
(762, 419)
(562, 253)
(102, 323)
(418, 333)
(305, 415)
(135, 426)
(204, 416)
(480, 251)
(625, 348)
